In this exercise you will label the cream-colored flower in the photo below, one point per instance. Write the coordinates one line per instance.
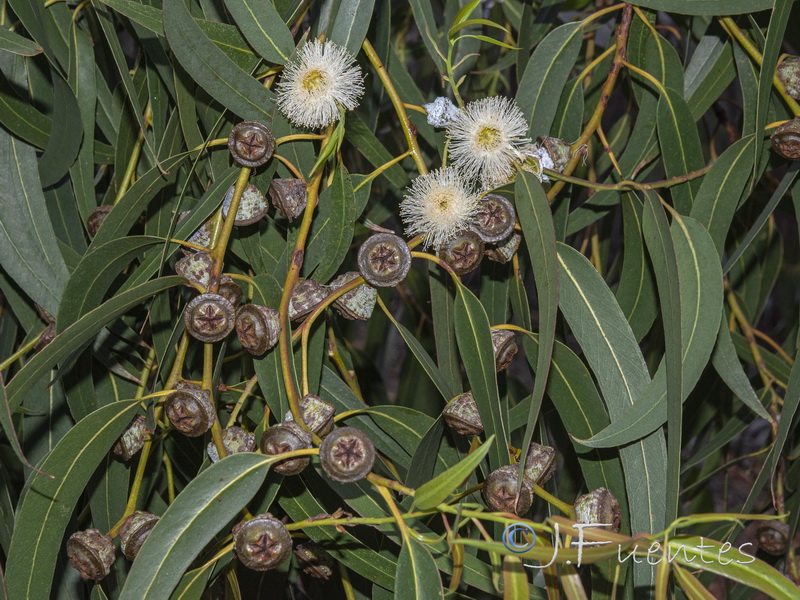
(316, 82)
(439, 205)
(486, 138)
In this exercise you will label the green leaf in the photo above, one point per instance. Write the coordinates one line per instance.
(332, 229)
(779, 18)
(351, 23)
(94, 275)
(680, 147)
(426, 24)
(417, 577)
(608, 343)
(263, 27)
(701, 291)
(424, 359)
(665, 264)
(65, 136)
(16, 44)
(707, 7)
(211, 69)
(731, 372)
(28, 250)
(743, 567)
(545, 76)
(463, 14)
(47, 506)
(539, 232)
(722, 188)
(710, 70)
(432, 493)
(78, 334)
(475, 345)
(204, 506)
(515, 579)
(636, 293)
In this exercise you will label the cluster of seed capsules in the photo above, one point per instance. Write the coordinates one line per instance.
(346, 453)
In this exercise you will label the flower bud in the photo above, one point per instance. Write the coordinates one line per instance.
(316, 413)
(134, 532)
(258, 328)
(789, 74)
(504, 342)
(358, 303)
(306, 295)
(253, 206)
(786, 139)
(132, 439)
(540, 464)
(462, 416)
(289, 196)
(235, 439)
(598, 506)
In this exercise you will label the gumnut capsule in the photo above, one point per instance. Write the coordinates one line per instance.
(505, 348)
(359, 302)
(316, 413)
(190, 410)
(540, 464)
(384, 260)
(230, 290)
(773, 537)
(463, 253)
(287, 437)
(209, 317)
(462, 416)
(197, 267)
(306, 295)
(257, 328)
(786, 139)
(253, 205)
(262, 543)
(347, 454)
(557, 149)
(789, 74)
(495, 219)
(134, 532)
(235, 439)
(598, 507)
(501, 494)
(251, 143)
(289, 196)
(97, 217)
(91, 553)
(504, 251)
(314, 560)
(132, 439)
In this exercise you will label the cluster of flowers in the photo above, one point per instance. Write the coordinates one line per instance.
(487, 140)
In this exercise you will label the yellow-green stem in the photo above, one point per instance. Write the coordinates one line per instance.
(20, 352)
(221, 243)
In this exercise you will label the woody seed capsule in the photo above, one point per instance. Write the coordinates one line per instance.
(314, 560)
(262, 543)
(235, 440)
(462, 416)
(252, 208)
(316, 413)
(91, 553)
(251, 143)
(501, 494)
(773, 537)
(596, 507)
(257, 328)
(504, 251)
(287, 437)
(289, 196)
(384, 260)
(505, 348)
(132, 440)
(306, 295)
(134, 532)
(463, 253)
(539, 464)
(190, 410)
(358, 303)
(495, 219)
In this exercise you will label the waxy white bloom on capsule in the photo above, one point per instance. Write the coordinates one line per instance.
(441, 112)
(439, 205)
(536, 159)
(486, 138)
(319, 80)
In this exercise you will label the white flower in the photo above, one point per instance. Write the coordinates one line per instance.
(439, 205)
(486, 137)
(441, 112)
(316, 82)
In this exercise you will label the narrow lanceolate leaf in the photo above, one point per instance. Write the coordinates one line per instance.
(772, 47)
(263, 27)
(475, 345)
(47, 506)
(80, 333)
(515, 579)
(791, 403)
(28, 249)
(432, 493)
(332, 230)
(700, 279)
(736, 563)
(211, 69)
(351, 23)
(15, 43)
(545, 76)
(204, 506)
(707, 7)
(65, 136)
(7, 425)
(95, 274)
(731, 371)
(417, 577)
(536, 220)
(608, 343)
(680, 147)
(722, 188)
(665, 265)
